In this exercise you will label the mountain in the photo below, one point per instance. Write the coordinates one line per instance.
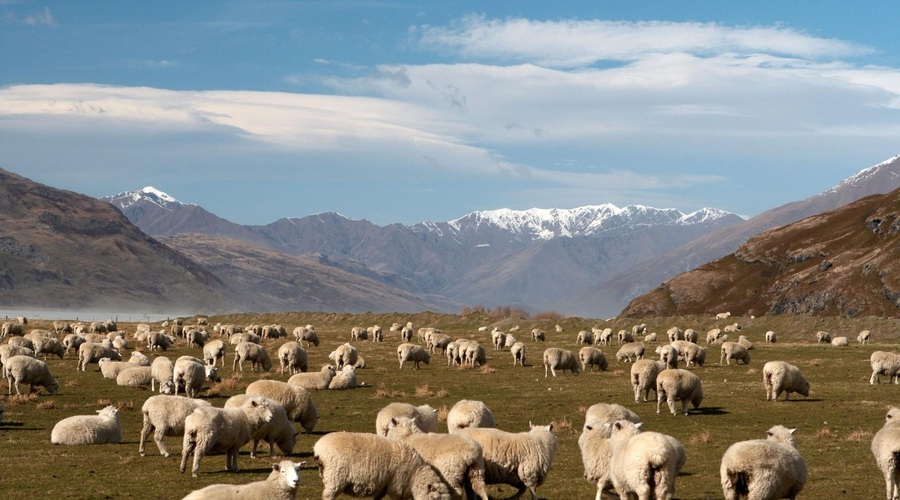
(609, 296)
(61, 249)
(845, 262)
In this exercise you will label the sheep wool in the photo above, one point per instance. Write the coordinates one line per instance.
(31, 371)
(779, 377)
(678, 384)
(103, 428)
(278, 431)
(643, 377)
(594, 444)
(282, 484)
(468, 413)
(885, 448)
(424, 417)
(164, 415)
(316, 380)
(644, 464)
(297, 401)
(560, 359)
(763, 468)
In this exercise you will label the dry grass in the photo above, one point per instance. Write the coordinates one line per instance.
(21, 399)
(488, 369)
(226, 385)
(423, 391)
(825, 433)
(442, 413)
(442, 393)
(860, 435)
(564, 425)
(46, 405)
(701, 438)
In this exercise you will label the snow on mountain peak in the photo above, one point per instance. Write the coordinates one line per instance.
(149, 194)
(864, 174)
(152, 191)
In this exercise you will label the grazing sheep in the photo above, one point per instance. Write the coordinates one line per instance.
(423, 417)
(469, 413)
(359, 333)
(675, 333)
(317, 380)
(21, 342)
(61, 327)
(650, 337)
(215, 430)
(691, 335)
(474, 353)
(639, 329)
(694, 355)
(414, 353)
(282, 484)
(136, 376)
(164, 415)
(439, 341)
(344, 379)
(521, 460)
(668, 354)
(764, 468)
(361, 464)
(823, 337)
(406, 334)
(255, 353)
(745, 342)
(376, 332)
(886, 449)
(779, 376)
(245, 337)
(213, 351)
(9, 328)
(625, 337)
(453, 354)
(840, 342)
(191, 374)
(771, 337)
(518, 353)
(159, 340)
(72, 342)
(297, 401)
(538, 335)
(596, 451)
(455, 457)
(103, 428)
(278, 431)
(8, 351)
(643, 377)
(48, 347)
(345, 354)
(293, 357)
(161, 373)
(863, 337)
(559, 359)
(885, 363)
(735, 351)
(584, 337)
(644, 464)
(678, 384)
(28, 370)
(498, 338)
(591, 356)
(631, 350)
(195, 338)
(608, 413)
(510, 340)
(713, 335)
(306, 334)
(603, 337)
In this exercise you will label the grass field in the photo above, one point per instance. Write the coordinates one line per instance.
(835, 424)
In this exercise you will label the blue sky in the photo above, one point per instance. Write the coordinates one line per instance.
(407, 111)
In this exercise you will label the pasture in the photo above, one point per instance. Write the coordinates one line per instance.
(834, 425)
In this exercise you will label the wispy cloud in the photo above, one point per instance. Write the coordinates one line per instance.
(43, 17)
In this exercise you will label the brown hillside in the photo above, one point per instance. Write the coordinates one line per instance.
(845, 262)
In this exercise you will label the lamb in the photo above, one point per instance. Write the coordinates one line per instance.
(468, 413)
(863, 337)
(345, 354)
(644, 464)
(840, 342)
(518, 353)
(361, 464)
(316, 380)
(668, 354)
(306, 334)
(214, 350)
(136, 376)
(423, 417)
(215, 430)
(455, 457)
(255, 353)
(278, 431)
(764, 468)
(110, 369)
(735, 351)
(822, 336)
(885, 448)
(414, 353)
(745, 342)
(771, 337)
(282, 484)
(164, 415)
(584, 337)
(344, 379)
(103, 428)
(884, 363)
(191, 375)
(48, 347)
(591, 356)
(538, 334)
(521, 460)
(297, 401)
(560, 359)
(293, 357)
(779, 377)
(643, 377)
(678, 384)
(161, 373)
(31, 371)
(631, 350)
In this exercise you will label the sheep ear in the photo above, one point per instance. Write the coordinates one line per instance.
(588, 428)
(253, 402)
(639, 425)
(792, 431)
(768, 433)
(550, 427)
(617, 425)
(276, 467)
(530, 425)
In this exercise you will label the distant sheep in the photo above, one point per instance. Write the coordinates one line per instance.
(734, 351)
(306, 334)
(424, 417)
(668, 354)
(625, 337)
(48, 347)
(518, 353)
(255, 353)
(723, 315)
(630, 352)
(31, 371)
(344, 354)
(469, 413)
(103, 428)
(584, 337)
(675, 333)
(764, 468)
(694, 355)
(840, 342)
(691, 335)
(603, 336)
(650, 337)
(779, 377)
(413, 353)
(732, 328)
(559, 359)
(358, 333)
(863, 337)
(713, 335)
(591, 356)
(678, 384)
(297, 401)
(539, 335)
(823, 337)
(771, 337)
(110, 369)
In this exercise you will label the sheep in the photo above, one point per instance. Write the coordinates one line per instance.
(414, 353)
(603, 336)
(7, 351)
(779, 376)
(764, 468)
(608, 413)
(297, 401)
(377, 333)
(771, 337)
(293, 358)
(306, 334)
(559, 359)
(584, 337)
(110, 369)
(723, 315)
(195, 338)
(650, 337)
(344, 354)
(675, 333)
(674, 384)
(255, 353)
(713, 335)
(21, 342)
(359, 333)
(694, 355)
(668, 354)
(639, 329)
(31, 371)
(625, 337)
(245, 337)
(164, 415)
(48, 347)
(474, 353)
(278, 431)
(344, 379)
(423, 417)
(406, 334)
(369, 465)
(469, 413)
(886, 448)
(884, 363)
(138, 358)
(691, 335)
(191, 374)
(745, 342)
(103, 428)
(521, 460)
(159, 340)
(452, 353)
(396, 327)
(644, 464)
(498, 338)
(215, 430)
(316, 380)
(72, 342)
(120, 344)
(631, 350)
(594, 441)
(559, 329)
(136, 376)
(518, 353)
(282, 484)
(455, 457)
(161, 373)
(482, 329)
(732, 328)
(840, 342)
(9, 328)
(863, 337)
(214, 350)
(643, 377)
(822, 336)
(439, 341)
(735, 351)
(591, 356)
(61, 327)
(510, 340)
(538, 335)
(514, 329)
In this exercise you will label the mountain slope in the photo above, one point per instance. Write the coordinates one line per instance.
(844, 262)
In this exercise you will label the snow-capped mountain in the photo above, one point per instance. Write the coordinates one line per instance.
(148, 194)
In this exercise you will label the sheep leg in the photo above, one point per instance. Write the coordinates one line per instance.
(186, 449)
(234, 365)
(145, 431)
(671, 402)
(158, 436)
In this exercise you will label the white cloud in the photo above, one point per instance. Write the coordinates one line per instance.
(41, 18)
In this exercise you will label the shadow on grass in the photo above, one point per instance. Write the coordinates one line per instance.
(710, 410)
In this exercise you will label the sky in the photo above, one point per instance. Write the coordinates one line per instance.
(397, 111)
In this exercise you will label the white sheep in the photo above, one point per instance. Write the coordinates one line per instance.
(771, 337)
(136, 376)
(8, 351)
(474, 353)
(424, 417)
(191, 374)
(103, 428)
(521, 460)
(675, 333)
(886, 449)
(306, 334)
(139, 358)
(164, 415)
(439, 341)
(591, 356)
(559, 329)
(344, 354)
(678, 384)
(370, 465)
(344, 379)
(518, 353)
(735, 351)
(414, 353)
(694, 355)
(315, 380)
(359, 333)
(406, 334)
(28, 370)
(651, 337)
(538, 335)
(21, 342)
(161, 373)
(469, 413)
(630, 350)
(584, 337)
(159, 340)
(593, 442)
(779, 377)
(603, 336)
(255, 353)
(691, 335)
(713, 335)
(823, 337)
(644, 464)
(643, 377)
(864, 336)
(559, 359)
(213, 351)
(277, 432)
(293, 358)
(884, 363)
(452, 353)
(723, 315)
(282, 484)
(296, 400)
(763, 468)
(732, 328)
(90, 352)
(668, 354)
(744, 341)
(601, 413)
(376, 332)
(840, 342)
(458, 459)
(215, 430)
(110, 369)
(71, 342)
(625, 337)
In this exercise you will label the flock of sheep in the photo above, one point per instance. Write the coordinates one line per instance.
(406, 457)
